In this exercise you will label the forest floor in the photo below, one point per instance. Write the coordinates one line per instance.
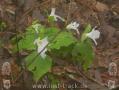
(101, 13)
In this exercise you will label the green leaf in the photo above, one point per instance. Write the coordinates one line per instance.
(27, 40)
(32, 30)
(87, 30)
(63, 52)
(39, 66)
(51, 19)
(48, 32)
(27, 43)
(64, 39)
(84, 53)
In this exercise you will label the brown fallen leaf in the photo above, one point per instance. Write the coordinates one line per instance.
(71, 69)
(98, 76)
(58, 70)
(15, 69)
(94, 5)
(100, 7)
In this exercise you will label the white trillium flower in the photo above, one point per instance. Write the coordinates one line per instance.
(56, 17)
(94, 34)
(36, 27)
(43, 55)
(41, 46)
(74, 26)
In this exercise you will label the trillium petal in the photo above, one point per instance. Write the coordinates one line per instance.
(56, 17)
(43, 55)
(52, 11)
(94, 34)
(62, 19)
(41, 46)
(94, 41)
(78, 32)
(74, 26)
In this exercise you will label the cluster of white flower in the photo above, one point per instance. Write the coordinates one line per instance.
(94, 34)
(41, 44)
